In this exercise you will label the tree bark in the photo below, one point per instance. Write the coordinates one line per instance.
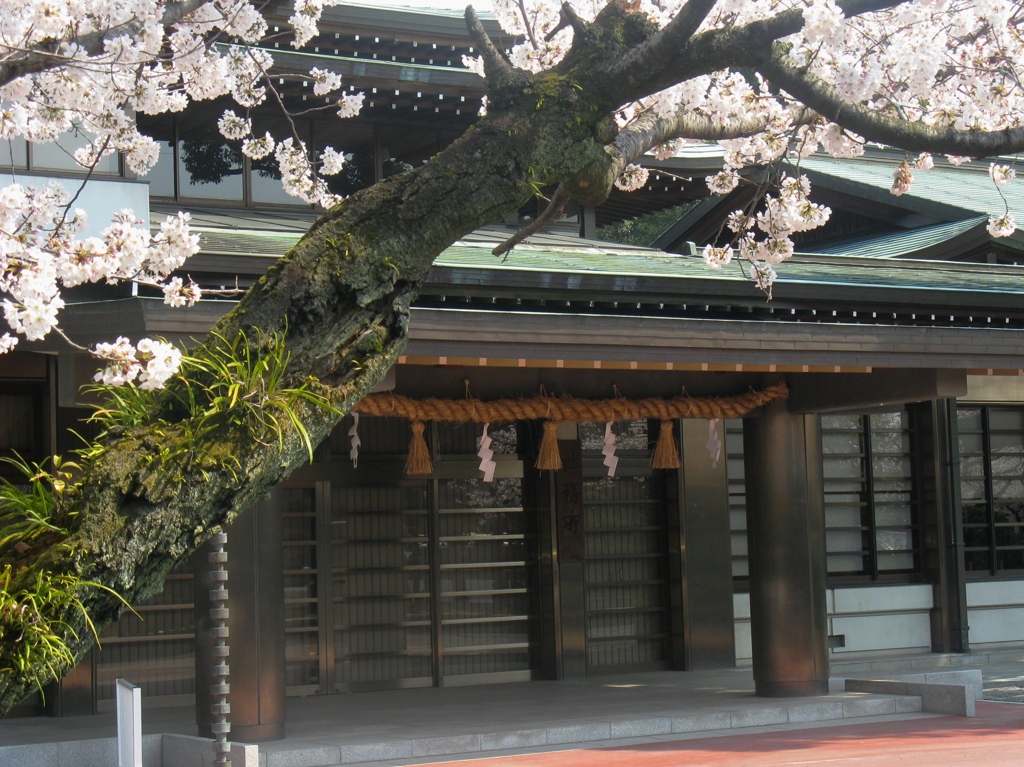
(341, 296)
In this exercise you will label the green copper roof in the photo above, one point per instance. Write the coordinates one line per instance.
(906, 243)
(565, 255)
(945, 191)
(589, 257)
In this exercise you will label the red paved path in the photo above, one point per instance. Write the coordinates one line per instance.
(992, 739)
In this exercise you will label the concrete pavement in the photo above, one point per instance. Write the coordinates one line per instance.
(411, 726)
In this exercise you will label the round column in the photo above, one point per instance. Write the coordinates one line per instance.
(786, 543)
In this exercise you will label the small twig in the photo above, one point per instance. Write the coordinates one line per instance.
(554, 208)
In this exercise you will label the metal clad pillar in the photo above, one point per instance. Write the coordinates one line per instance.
(941, 523)
(786, 538)
(538, 494)
(568, 503)
(705, 553)
(256, 623)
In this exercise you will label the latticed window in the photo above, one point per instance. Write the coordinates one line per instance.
(871, 509)
(737, 502)
(992, 489)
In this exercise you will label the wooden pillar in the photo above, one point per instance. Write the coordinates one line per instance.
(786, 538)
(256, 624)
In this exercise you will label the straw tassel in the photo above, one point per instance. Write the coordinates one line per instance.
(548, 458)
(665, 454)
(419, 457)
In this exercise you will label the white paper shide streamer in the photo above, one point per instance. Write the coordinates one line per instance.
(355, 441)
(714, 444)
(486, 455)
(608, 451)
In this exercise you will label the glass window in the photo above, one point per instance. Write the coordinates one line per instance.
(14, 154)
(737, 500)
(264, 174)
(60, 155)
(352, 139)
(992, 488)
(161, 176)
(871, 517)
(210, 170)
(870, 504)
(153, 643)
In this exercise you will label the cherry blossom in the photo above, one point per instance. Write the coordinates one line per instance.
(716, 258)
(1001, 226)
(159, 57)
(633, 177)
(258, 148)
(938, 64)
(333, 161)
(324, 81)
(909, 62)
(902, 179)
(1001, 174)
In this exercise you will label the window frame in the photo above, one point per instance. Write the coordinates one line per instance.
(872, 573)
(989, 502)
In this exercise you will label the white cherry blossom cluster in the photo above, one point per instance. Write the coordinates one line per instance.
(150, 363)
(632, 177)
(42, 253)
(943, 63)
(298, 177)
(324, 81)
(142, 67)
(1001, 226)
(782, 215)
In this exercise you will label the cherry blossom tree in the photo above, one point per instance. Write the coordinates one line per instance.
(591, 88)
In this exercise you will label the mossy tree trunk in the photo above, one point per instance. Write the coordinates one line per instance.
(341, 296)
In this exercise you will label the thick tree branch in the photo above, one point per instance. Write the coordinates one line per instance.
(657, 52)
(567, 18)
(44, 57)
(649, 130)
(340, 297)
(632, 78)
(874, 126)
(497, 68)
(593, 185)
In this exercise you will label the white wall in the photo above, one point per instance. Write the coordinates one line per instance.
(881, 617)
(872, 618)
(741, 615)
(995, 611)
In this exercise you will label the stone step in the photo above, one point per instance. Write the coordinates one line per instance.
(831, 708)
(839, 665)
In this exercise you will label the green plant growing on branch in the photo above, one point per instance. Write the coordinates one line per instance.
(27, 515)
(154, 487)
(34, 624)
(235, 382)
(34, 617)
